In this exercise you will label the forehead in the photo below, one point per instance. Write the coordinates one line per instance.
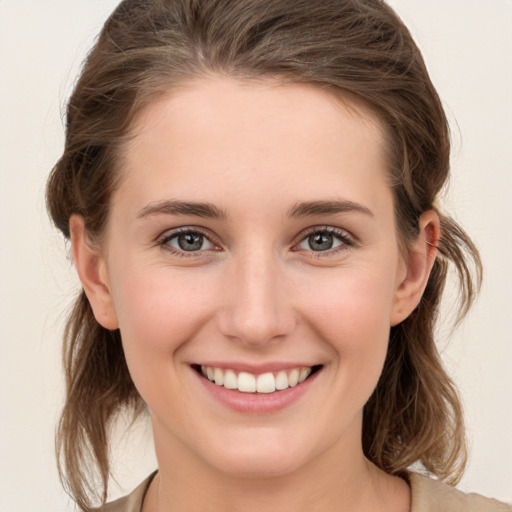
(242, 102)
(251, 136)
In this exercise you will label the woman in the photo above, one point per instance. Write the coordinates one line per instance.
(250, 188)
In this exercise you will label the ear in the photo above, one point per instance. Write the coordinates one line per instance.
(418, 263)
(92, 270)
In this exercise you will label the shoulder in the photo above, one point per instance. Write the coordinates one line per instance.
(132, 502)
(433, 496)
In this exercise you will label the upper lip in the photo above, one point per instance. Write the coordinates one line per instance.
(255, 369)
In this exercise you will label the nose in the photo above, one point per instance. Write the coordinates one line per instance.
(257, 306)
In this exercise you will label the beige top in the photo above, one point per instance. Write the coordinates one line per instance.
(427, 496)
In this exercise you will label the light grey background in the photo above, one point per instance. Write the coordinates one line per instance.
(467, 45)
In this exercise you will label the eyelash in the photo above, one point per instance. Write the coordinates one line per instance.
(164, 240)
(346, 240)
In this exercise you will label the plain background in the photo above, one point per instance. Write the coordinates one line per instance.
(467, 45)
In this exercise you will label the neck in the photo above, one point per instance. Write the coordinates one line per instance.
(338, 480)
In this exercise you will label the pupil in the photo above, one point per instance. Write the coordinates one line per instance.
(320, 241)
(190, 241)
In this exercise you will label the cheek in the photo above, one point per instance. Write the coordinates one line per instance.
(156, 307)
(352, 309)
(351, 316)
(158, 313)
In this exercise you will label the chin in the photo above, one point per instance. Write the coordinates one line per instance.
(260, 466)
(266, 457)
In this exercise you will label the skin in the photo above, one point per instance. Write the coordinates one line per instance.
(256, 293)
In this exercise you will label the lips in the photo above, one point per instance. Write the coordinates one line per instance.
(256, 390)
(267, 382)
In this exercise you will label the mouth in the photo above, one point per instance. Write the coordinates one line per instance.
(264, 383)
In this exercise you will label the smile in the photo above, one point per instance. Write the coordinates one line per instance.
(268, 382)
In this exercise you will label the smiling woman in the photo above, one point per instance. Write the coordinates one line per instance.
(249, 188)
(263, 289)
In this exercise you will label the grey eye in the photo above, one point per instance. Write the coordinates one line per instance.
(189, 242)
(320, 241)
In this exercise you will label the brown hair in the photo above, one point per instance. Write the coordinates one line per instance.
(355, 47)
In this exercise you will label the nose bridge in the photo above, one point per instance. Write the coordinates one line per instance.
(258, 309)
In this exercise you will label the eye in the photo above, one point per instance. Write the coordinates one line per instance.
(325, 239)
(187, 240)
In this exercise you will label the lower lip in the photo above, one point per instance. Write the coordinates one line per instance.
(257, 403)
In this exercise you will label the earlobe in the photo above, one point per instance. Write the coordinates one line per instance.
(418, 265)
(92, 271)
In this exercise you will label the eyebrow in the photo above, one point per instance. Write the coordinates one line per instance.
(182, 208)
(211, 211)
(327, 207)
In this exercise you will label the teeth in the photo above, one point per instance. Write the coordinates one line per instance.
(248, 383)
(281, 380)
(293, 378)
(265, 383)
(230, 380)
(218, 376)
(304, 374)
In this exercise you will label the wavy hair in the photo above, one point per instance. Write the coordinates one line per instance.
(358, 48)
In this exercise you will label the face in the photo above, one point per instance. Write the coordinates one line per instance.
(251, 246)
